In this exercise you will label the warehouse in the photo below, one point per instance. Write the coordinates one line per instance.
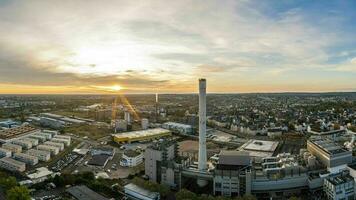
(66, 142)
(13, 133)
(23, 144)
(55, 144)
(143, 135)
(5, 153)
(12, 147)
(12, 165)
(41, 155)
(28, 159)
(52, 149)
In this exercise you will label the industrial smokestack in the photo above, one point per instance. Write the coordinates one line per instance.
(202, 165)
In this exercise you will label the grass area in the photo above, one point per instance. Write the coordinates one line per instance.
(91, 131)
(74, 113)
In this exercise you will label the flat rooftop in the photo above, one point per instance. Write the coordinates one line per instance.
(328, 146)
(260, 145)
(82, 192)
(259, 148)
(12, 161)
(142, 133)
(16, 132)
(134, 188)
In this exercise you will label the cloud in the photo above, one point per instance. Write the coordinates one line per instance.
(145, 45)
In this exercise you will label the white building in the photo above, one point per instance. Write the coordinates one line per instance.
(52, 149)
(12, 165)
(24, 144)
(40, 175)
(178, 127)
(340, 186)
(144, 123)
(12, 147)
(55, 144)
(5, 153)
(41, 155)
(66, 142)
(26, 158)
(131, 158)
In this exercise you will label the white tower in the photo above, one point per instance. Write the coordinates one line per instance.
(202, 165)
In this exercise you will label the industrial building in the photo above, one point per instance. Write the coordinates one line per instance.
(40, 154)
(329, 153)
(26, 158)
(12, 165)
(131, 158)
(55, 144)
(82, 192)
(12, 147)
(16, 132)
(232, 176)
(52, 149)
(142, 135)
(23, 143)
(52, 123)
(135, 192)
(178, 127)
(5, 153)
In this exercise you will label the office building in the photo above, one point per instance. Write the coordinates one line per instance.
(329, 153)
(340, 186)
(34, 142)
(40, 138)
(131, 158)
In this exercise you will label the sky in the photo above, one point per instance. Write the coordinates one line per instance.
(153, 46)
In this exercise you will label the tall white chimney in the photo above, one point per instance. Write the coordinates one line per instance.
(202, 164)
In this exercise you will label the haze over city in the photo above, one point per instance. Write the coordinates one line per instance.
(164, 46)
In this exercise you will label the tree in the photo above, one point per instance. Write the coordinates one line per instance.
(8, 183)
(293, 198)
(184, 194)
(18, 193)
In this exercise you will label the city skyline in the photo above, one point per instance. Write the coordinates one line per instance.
(164, 47)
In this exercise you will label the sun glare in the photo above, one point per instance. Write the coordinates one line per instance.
(115, 88)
